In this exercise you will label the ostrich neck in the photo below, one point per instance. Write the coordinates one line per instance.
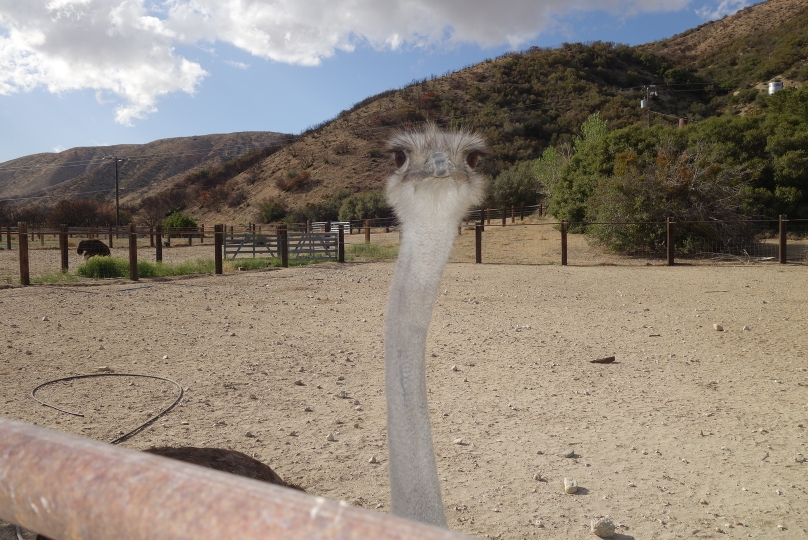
(415, 489)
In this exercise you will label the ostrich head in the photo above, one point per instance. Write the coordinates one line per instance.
(434, 185)
(435, 175)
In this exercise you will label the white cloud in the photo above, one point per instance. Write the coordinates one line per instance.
(724, 8)
(126, 48)
(239, 65)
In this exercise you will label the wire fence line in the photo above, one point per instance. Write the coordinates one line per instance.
(523, 235)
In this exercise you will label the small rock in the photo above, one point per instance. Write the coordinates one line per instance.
(537, 477)
(632, 484)
(372, 459)
(746, 327)
(45, 318)
(570, 485)
(568, 453)
(308, 409)
(165, 357)
(101, 348)
(602, 527)
(232, 334)
(458, 440)
(253, 396)
(330, 437)
(299, 383)
(703, 501)
(718, 328)
(292, 433)
(342, 394)
(249, 434)
(454, 368)
(356, 402)
(103, 369)
(800, 458)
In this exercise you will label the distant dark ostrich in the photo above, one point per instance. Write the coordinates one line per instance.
(91, 248)
(224, 460)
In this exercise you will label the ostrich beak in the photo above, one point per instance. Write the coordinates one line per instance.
(439, 165)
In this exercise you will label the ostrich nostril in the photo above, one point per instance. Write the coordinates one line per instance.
(440, 164)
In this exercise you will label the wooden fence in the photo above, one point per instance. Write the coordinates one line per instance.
(299, 242)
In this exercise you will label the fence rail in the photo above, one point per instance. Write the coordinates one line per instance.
(65, 486)
(551, 242)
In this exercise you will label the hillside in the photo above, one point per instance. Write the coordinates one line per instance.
(83, 172)
(522, 102)
(752, 46)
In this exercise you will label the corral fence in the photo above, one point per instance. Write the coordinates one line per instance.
(516, 235)
(542, 241)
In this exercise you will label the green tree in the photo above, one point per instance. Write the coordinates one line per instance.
(517, 186)
(365, 205)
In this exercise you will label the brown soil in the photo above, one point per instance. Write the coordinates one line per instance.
(689, 432)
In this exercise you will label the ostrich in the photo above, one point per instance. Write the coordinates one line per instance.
(434, 185)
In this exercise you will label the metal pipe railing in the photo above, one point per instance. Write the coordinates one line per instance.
(68, 487)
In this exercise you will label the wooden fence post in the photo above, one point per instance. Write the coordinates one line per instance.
(158, 246)
(218, 240)
(504, 217)
(283, 238)
(367, 231)
(8, 237)
(669, 226)
(110, 237)
(41, 238)
(22, 233)
(341, 244)
(564, 243)
(328, 226)
(522, 213)
(541, 211)
(63, 246)
(478, 243)
(151, 235)
(133, 252)
(202, 236)
(783, 251)
(488, 216)
(513, 214)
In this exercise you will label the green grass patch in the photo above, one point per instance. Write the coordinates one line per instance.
(55, 277)
(104, 267)
(113, 267)
(371, 252)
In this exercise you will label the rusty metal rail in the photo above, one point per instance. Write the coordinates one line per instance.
(68, 487)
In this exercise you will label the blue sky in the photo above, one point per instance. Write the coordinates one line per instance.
(100, 72)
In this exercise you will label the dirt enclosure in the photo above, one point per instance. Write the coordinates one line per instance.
(691, 433)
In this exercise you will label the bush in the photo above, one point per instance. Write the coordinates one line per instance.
(178, 220)
(271, 210)
(294, 181)
(104, 267)
(365, 205)
(518, 186)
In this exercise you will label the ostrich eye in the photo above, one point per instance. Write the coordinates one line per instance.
(473, 159)
(400, 158)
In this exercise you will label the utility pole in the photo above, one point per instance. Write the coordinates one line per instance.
(117, 196)
(650, 91)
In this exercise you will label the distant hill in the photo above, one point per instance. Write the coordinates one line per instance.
(83, 172)
(756, 44)
(522, 102)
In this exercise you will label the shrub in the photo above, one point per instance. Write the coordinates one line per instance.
(365, 205)
(178, 220)
(271, 210)
(294, 181)
(103, 267)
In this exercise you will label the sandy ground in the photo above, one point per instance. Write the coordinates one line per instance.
(692, 432)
